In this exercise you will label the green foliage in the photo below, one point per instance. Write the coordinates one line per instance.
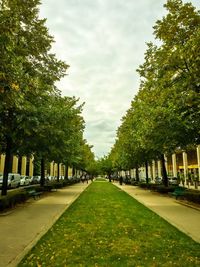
(105, 166)
(34, 117)
(192, 196)
(12, 199)
(84, 159)
(165, 114)
(28, 70)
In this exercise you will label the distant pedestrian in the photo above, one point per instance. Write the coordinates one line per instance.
(82, 178)
(120, 180)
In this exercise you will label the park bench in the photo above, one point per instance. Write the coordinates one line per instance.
(178, 192)
(33, 193)
(48, 187)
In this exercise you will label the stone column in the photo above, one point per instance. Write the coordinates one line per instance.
(31, 166)
(15, 164)
(51, 169)
(60, 169)
(64, 170)
(149, 171)
(174, 165)
(23, 168)
(70, 172)
(198, 159)
(185, 165)
(2, 162)
(159, 169)
(154, 169)
(55, 169)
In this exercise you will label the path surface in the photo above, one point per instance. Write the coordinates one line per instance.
(25, 225)
(184, 218)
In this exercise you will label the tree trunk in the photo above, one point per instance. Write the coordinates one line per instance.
(137, 173)
(66, 171)
(58, 176)
(164, 172)
(42, 180)
(73, 171)
(147, 174)
(8, 159)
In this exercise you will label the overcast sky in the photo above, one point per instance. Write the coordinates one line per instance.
(103, 41)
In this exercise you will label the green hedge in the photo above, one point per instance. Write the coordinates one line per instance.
(158, 187)
(12, 199)
(162, 189)
(189, 195)
(192, 196)
(15, 197)
(144, 185)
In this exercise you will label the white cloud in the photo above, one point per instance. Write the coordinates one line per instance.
(103, 41)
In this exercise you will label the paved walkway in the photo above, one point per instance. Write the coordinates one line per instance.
(24, 226)
(184, 218)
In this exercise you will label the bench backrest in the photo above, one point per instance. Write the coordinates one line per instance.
(180, 189)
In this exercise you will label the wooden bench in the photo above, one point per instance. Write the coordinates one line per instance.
(178, 192)
(33, 193)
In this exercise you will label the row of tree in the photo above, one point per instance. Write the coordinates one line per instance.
(165, 114)
(34, 118)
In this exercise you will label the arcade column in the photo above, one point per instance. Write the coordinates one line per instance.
(159, 168)
(23, 168)
(2, 162)
(198, 159)
(174, 165)
(31, 166)
(154, 169)
(15, 164)
(185, 164)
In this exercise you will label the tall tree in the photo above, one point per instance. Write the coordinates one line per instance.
(28, 70)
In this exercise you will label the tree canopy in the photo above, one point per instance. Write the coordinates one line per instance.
(165, 113)
(34, 117)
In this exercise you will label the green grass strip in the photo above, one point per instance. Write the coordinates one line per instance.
(107, 227)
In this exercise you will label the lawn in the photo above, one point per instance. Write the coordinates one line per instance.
(106, 227)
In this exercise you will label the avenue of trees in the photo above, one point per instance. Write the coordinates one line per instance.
(34, 118)
(165, 114)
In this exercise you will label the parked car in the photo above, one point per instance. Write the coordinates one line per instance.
(35, 179)
(173, 181)
(50, 178)
(13, 180)
(25, 180)
(142, 180)
(158, 180)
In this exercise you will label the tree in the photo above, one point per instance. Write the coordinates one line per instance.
(165, 113)
(106, 166)
(179, 33)
(86, 159)
(28, 71)
(170, 71)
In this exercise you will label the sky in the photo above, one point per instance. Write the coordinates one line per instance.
(104, 42)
